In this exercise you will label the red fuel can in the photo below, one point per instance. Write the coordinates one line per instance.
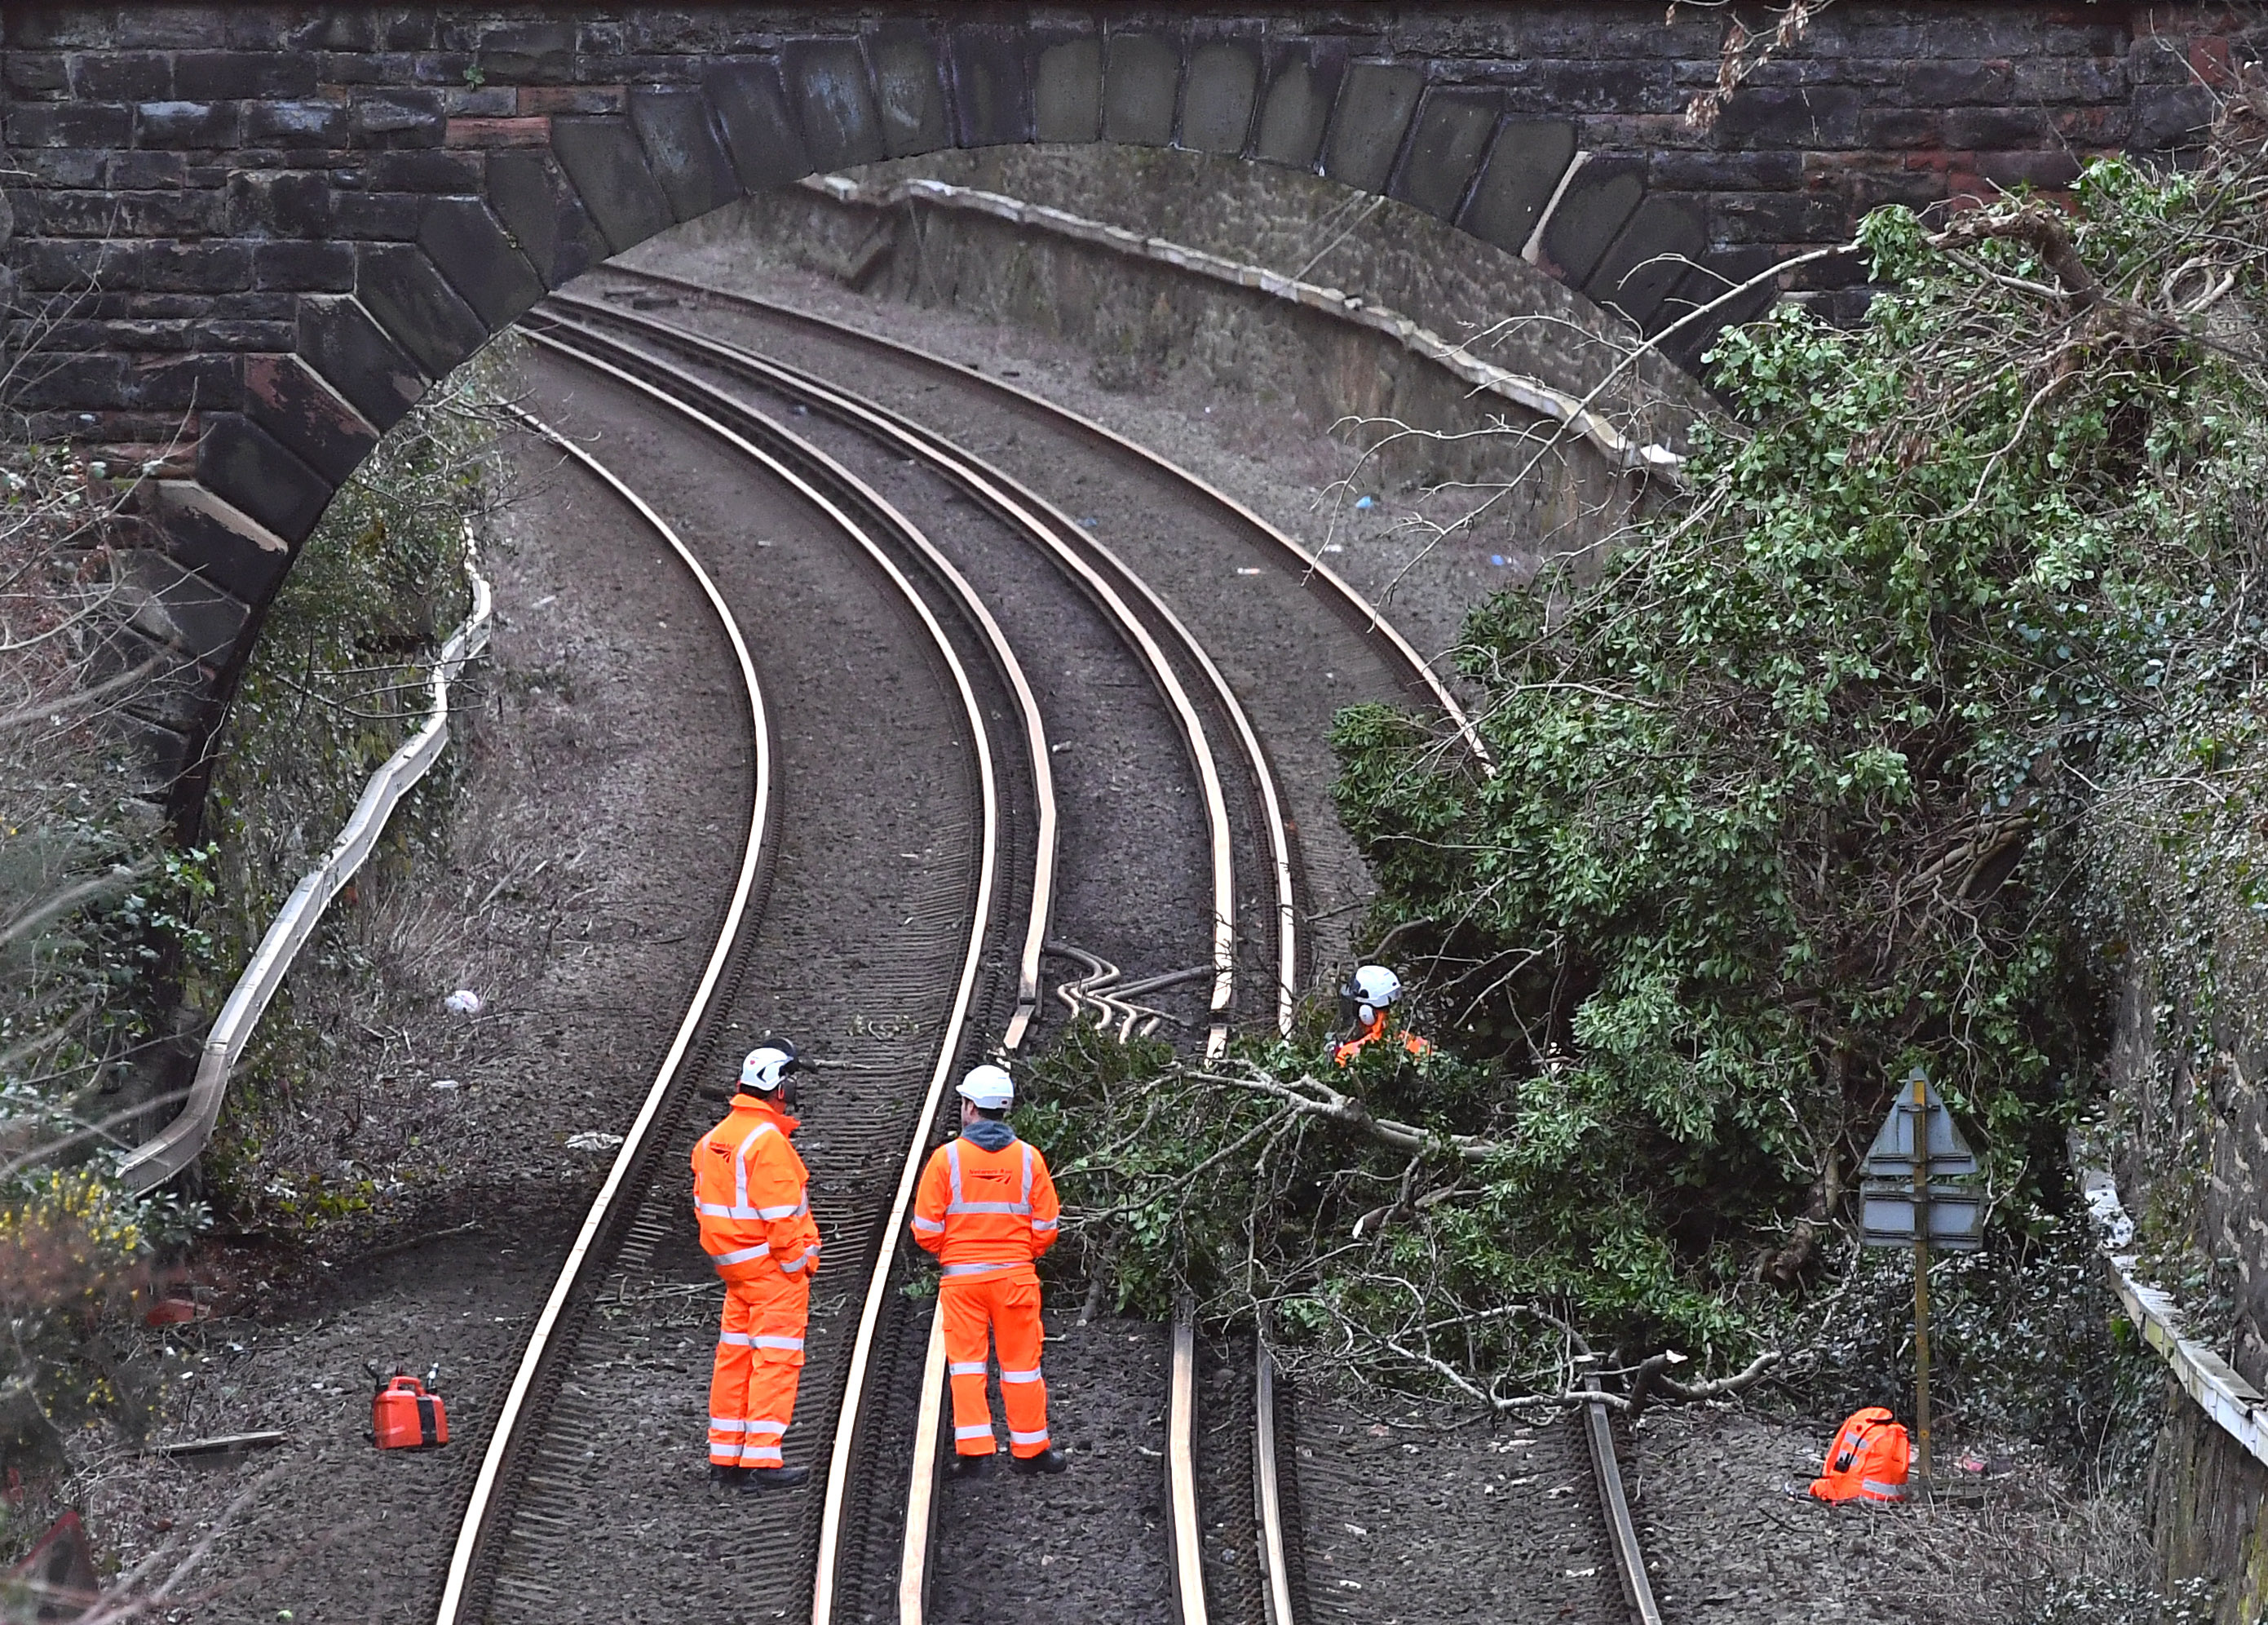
(404, 1416)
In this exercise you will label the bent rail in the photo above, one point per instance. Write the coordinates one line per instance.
(820, 469)
(1057, 535)
(179, 1142)
(1622, 1531)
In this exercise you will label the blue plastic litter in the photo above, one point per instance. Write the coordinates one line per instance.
(1496, 558)
(1086, 524)
(1365, 502)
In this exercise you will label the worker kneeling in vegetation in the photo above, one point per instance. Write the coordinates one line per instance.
(749, 1189)
(1369, 994)
(987, 1209)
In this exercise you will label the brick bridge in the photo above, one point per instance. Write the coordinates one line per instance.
(255, 234)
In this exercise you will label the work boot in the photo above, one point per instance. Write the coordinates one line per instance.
(970, 1467)
(774, 1478)
(723, 1477)
(1049, 1460)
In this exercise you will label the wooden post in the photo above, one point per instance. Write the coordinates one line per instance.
(1921, 1275)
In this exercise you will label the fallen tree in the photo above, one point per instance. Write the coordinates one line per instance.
(1796, 790)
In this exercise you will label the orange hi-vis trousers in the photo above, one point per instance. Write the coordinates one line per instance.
(1005, 1305)
(759, 1359)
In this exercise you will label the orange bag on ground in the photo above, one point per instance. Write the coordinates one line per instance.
(1868, 1461)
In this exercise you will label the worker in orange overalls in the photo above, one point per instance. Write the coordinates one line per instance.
(987, 1209)
(749, 1190)
(1369, 994)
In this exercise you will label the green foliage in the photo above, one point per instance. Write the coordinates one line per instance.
(1783, 797)
(73, 1249)
(98, 920)
(338, 679)
(1802, 787)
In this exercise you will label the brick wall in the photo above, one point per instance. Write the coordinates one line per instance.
(257, 233)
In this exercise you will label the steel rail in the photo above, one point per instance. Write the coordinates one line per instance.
(1062, 539)
(1629, 1554)
(1184, 1535)
(1062, 542)
(1036, 739)
(1309, 566)
(1267, 1494)
(1622, 1531)
(481, 1503)
(851, 1415)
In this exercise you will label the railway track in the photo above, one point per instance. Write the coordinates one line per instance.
(876, 1384)
(734, 383)
(553, 1485)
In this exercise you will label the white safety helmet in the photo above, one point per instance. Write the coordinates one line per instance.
(768, 1065)
(987, 1088)
(1370, 990)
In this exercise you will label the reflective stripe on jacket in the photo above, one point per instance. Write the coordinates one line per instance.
(1414, 1046)
(749, 1192)
(1868, 1461)
(983, 1210)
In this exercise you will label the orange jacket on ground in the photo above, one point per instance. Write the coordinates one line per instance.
(749, 1188)
(1411, 1043)
(985, 1203)
(1868, 1460)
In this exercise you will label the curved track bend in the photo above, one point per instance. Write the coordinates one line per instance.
(555, 1491)
(869, 1541)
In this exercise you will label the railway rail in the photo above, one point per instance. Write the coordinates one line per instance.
(1167, 652)
(1419, 681)
(515, 1542)
(885, 1390)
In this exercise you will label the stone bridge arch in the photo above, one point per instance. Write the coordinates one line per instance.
(263, 232)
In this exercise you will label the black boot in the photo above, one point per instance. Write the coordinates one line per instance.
(728, 1478)
(775, 1478)
(1049, 1460)
(970, 1467)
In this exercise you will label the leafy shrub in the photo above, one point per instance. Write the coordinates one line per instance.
(1783, 798)
(1791, 795)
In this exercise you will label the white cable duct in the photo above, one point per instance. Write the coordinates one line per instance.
(2239, 1409)
(178, 1144)
(1626, 454)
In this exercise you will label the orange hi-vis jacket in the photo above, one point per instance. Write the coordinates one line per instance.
(984, 1213)
(749, 1190)
(1868, 1461)
(1411, 1043)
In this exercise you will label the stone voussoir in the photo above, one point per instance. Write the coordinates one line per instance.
(411, 178)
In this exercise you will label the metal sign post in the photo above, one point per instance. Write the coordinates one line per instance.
(1902, 1204)
(1920, 1186)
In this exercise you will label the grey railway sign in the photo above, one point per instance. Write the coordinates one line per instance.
(1906, 1200)
(1917, 1150)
